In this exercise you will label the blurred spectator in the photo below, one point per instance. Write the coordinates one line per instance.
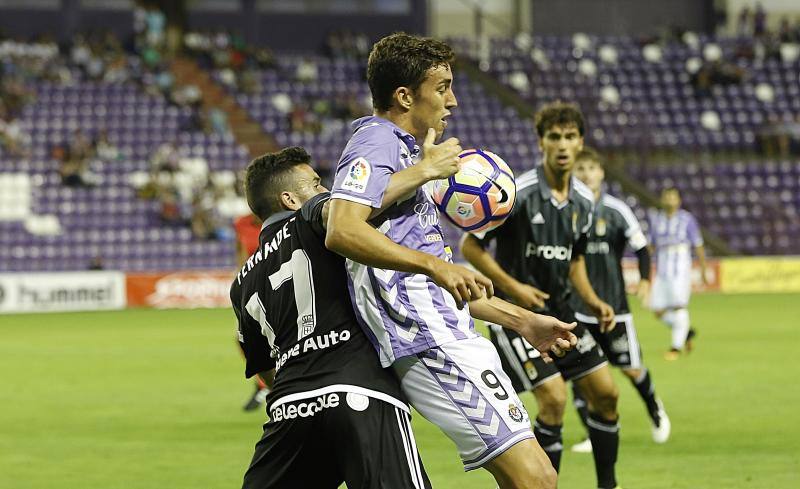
(743, 22)
(13, 139)
(307, 71)
(165, 159)
(104, 149)
(346, 44)
(97, 263)
(759, 21)
(716, 73)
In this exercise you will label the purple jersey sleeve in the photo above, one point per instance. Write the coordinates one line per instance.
(693, 232)
(366, 166)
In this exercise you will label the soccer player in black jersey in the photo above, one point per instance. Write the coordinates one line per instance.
(613, 227)
(539, 261)
(331, 401)
(336, 415)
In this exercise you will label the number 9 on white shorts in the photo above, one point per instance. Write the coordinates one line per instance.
(461, 388)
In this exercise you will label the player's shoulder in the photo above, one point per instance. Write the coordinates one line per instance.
(527, 182)
(373, 133)
(584, 194)
(619, 206)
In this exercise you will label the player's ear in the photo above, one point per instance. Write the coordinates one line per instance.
(289, 201)
(404, 97)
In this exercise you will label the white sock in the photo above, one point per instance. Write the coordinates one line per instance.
(680, 328)
(668, 318)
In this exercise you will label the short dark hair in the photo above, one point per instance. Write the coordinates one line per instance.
(558, 114)
(267, 176)
(588, 153)
(402, 60)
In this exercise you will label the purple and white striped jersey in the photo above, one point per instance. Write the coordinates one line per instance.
(673, 239)
(402, 313)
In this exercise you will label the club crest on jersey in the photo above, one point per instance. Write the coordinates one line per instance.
(600, 227)
(358, 175)
(515, 413)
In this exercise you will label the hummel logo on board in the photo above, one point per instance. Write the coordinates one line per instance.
(538, 218)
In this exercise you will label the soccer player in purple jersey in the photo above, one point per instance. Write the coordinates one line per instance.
(674, 232)
(408, 296)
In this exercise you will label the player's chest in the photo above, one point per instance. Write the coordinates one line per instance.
(544, 222)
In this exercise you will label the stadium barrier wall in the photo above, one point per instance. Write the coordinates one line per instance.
(107, 290)
(760, 274)
(66, 291)
(630, 272)
(185, 289)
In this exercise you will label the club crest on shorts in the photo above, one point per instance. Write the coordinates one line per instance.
(530, 370)
(515, 413)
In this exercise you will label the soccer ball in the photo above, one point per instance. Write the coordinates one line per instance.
(480, 196)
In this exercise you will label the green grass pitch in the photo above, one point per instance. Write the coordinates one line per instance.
(152, 399)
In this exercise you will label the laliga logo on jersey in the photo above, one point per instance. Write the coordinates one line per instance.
(600, 227)
(426, 218)
(357, 176)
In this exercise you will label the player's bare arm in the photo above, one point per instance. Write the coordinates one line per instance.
(701, 259)
(643, 256)
(438, 163)
(523, 295)
(580, 280)
(350, 235)
(268, 377)
(546, 334)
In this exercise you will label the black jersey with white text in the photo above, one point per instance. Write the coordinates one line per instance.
(613, 227)
(294, 312)
(536, 244)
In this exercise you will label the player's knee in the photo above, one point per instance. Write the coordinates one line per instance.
(551, 405)
(606, 403)
(539, 475)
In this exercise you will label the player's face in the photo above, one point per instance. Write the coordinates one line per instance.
(560, 145)
(671, 200)
(432, 102)
(306, 185)
(590, 173)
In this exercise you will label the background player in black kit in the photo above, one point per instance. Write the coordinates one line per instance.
(539, 258)
(336, 415)
(613, 227)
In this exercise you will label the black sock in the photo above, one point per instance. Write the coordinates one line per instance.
(549, 437)
(605, 445)
(644, 385)
(580, 405)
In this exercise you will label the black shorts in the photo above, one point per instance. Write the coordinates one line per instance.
(329, 439)
(524, 364)
(621, 344)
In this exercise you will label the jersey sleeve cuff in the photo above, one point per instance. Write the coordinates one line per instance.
(350, 198)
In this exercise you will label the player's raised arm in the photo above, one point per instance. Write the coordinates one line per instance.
(438, 165)
(545, 333)
(522, 294)
(350, 235)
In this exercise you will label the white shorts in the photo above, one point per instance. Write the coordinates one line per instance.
(461, 388)
(670, 292)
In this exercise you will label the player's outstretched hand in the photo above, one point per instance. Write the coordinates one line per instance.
(439, 160)
(549, 335)
(605, 316)
(463, 284)
(527, 296)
